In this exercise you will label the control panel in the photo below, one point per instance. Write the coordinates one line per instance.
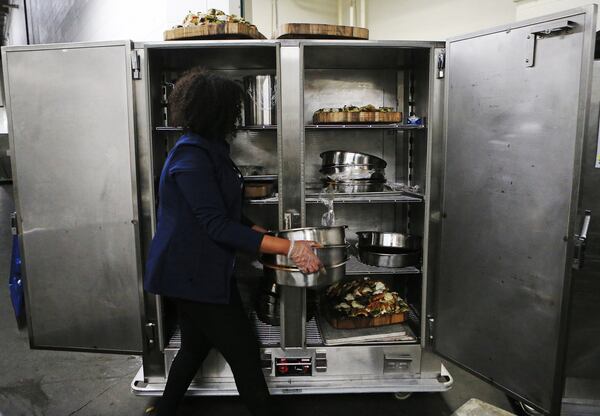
(286, 367)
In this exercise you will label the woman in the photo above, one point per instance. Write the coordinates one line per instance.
(200, 228)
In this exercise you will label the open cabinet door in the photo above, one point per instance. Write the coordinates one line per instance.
(71, 127)
(516, 106)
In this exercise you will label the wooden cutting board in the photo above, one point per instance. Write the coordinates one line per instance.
(321, 31)
(363, 322)
(366, 117)
(214, 31)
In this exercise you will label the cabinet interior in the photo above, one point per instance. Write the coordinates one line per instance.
(333, 76)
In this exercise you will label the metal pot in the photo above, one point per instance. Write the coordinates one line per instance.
(350, 187)
(267, 304)
(387, 249)
(291, 276)
(329, 256)
(327, 236)
(260, 103)
(342, 157)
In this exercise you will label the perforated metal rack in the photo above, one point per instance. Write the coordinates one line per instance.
(268, 335)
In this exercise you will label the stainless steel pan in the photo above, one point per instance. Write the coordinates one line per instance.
(388, 249)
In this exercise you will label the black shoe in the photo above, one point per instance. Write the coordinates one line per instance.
(150, 411)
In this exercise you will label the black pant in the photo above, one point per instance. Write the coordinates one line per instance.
(227, 329)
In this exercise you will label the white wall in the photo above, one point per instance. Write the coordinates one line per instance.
(16, 30)
(435, 19)
(527, 9)
(267, 18)
(91, 20)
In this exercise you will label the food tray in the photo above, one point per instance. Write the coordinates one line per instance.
(215, 31)
(348, 117)
(397, 333)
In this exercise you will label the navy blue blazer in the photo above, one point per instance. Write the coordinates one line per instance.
(200, 227)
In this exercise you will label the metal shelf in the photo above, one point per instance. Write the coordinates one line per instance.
(393, 126)
(177, 129)
(367, 197)
(264, 201)
(355, 268)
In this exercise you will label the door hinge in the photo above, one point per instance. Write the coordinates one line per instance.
(150, 331)
(13, 223)
(430, 325)
(136, 71)
(441, 64)
(552, 29)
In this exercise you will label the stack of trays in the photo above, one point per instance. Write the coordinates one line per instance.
(349, 172)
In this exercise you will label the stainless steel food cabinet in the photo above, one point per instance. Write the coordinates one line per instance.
(493, 176)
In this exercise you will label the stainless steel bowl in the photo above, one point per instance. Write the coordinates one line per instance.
(388, 240)
(350, 187)
(388, 249)
(393, 260)
(288, 276)
(342, 157)
(329, 256)
(353, 172)
(327, 236)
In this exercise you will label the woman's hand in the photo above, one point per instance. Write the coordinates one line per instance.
(302, 254)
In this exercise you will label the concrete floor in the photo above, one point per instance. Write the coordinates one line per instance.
(56, 383)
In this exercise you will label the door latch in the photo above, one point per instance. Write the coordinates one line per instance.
(291, 219)
(441, 64)
(580, 239)
(430, 325)
(552, 29)
(136, 71)
(13, 223)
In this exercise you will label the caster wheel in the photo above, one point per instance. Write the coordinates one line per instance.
(402, 395)
(522, 409)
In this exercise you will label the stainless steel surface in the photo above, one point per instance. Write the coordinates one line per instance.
(295, 278)
(260, 103)
(335, 235)
(76, 193)
(290, 142)
(582, 387)
(497, 183)
(395, 260)
(346, 158)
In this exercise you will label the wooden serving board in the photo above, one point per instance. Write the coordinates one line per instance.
(365, 117)
(321, 31)
(215, 31)
(356, 323)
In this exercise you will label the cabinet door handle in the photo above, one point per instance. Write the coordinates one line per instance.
(580, 241)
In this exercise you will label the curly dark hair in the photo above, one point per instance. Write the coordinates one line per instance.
(206, 103)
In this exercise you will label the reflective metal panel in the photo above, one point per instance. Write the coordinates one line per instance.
(71, 120)
(514, 134)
